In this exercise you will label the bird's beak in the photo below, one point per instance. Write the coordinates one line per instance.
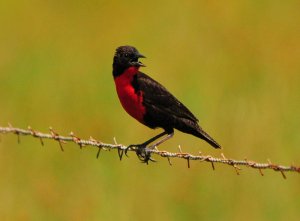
(138, 63)
(140, 56)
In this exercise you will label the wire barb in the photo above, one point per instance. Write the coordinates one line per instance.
(188, 162)
(121, 148)
(56, 137)
(98, 153)
(76, 139)
(170, 163)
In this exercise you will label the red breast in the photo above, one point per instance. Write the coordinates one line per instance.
(131, 100)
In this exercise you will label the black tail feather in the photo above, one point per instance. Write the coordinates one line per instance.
(203, 135)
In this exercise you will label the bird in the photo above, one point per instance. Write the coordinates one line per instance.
(150, 103)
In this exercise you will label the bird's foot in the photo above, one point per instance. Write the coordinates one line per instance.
(144, 154)
(141, 150)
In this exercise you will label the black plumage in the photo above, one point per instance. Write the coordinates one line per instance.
(163, 110)
(151, 103)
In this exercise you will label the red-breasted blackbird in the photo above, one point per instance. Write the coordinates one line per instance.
(150, 103)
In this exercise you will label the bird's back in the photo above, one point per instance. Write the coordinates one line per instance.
(163, 109)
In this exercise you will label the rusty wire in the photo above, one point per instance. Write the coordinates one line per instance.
(187, 156)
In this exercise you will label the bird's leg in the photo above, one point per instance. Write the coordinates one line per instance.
(143, 153)
(142, 147)
(152, 139)
(142, 150)
(162, 140)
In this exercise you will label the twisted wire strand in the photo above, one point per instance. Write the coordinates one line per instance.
(53, 135)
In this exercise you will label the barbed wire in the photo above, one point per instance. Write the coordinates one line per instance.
(165, 154)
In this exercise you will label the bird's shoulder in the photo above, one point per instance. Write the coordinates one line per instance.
(155, 94)
(147, 84)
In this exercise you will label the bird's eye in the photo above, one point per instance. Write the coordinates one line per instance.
(126, 55)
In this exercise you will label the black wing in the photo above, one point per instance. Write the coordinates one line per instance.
(156, 95)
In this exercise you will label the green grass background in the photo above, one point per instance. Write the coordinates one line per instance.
(235, 64)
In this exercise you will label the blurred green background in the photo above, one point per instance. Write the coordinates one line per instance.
(235, 64)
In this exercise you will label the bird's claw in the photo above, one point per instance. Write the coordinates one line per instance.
(121, 152)
(141, 151)
(129, 148)
(144, 154)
